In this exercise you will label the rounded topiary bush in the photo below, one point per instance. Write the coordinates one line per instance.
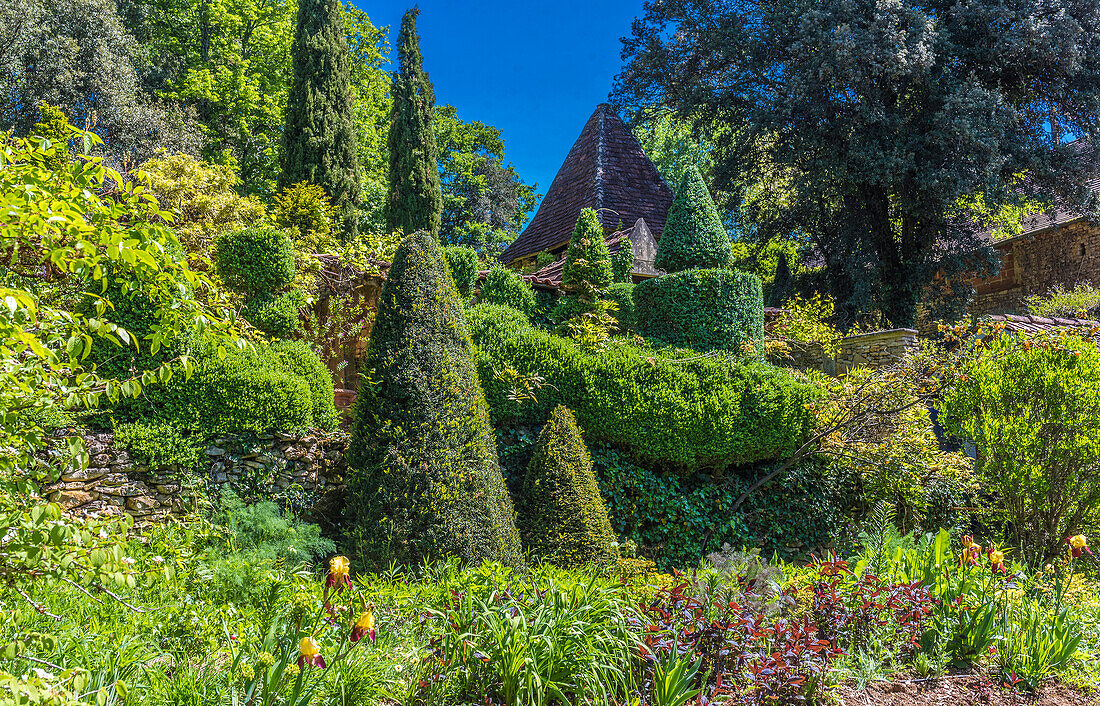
(506, 288)
(297, 358)
(694, 236)
(704, 309)
(277, 314)
(462, 262)
(256, 260)
(562, 516)
(424, 480)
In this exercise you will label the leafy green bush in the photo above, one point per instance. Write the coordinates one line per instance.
(159, 444)
(1078, 302)
(277, 315)
(701, 412)
(694, 236)
(424, 480)
(462, 263)
(705, 309)
(1031, 405)
(506, 288)
(622, 262)
(256, 260)
(622, 293)
(562, 516)
(297, 358)
(305, 208)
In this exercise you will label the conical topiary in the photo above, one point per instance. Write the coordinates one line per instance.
(424, 480)
(587, 261)
(694, 236)
(563, 517)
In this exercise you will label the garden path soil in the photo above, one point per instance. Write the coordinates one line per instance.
(965, 691)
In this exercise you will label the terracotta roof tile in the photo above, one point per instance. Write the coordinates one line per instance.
(607, 170)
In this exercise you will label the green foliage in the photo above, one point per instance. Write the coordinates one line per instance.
(53, 125)
(807, 321)
(463, 265)
(700, 412)
(256, 260)
(202, 199)
(415, 199)
(505, 287)
(622, 262)
(1032, 408)
(587, 261)
(708, 310)
(694, 236)
(278, 315)
(622, 293)
(262, 534)
(159, 444)
(424, 480)
(562, 516)
(1080, 302)
(319, 138)
(297, 358)
(305, 209)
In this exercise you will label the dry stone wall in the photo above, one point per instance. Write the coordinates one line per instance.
(114, 483)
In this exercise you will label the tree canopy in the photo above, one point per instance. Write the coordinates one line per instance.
(872, 146)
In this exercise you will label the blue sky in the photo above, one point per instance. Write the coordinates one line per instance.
(536, 70)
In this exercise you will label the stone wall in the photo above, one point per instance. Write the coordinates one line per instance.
(876, 349)
(1036, 262)
(114, 482)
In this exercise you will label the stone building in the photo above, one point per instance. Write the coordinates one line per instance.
(605, 170)
(1055, 248)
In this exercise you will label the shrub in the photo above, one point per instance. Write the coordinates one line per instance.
(587, 261)
(462, 263)
(1059, 301)
(694, 236)
(807, 321)
(305, 209)
(622, 293)
(562, 516)
(297, 358)
(622, 262)
(693, 413)
(277, 315)
(506, 288)
(159, 444)
(704, 309)
(256, 260)
(424, 480)
(1032, 408)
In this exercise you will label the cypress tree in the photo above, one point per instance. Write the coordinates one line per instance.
(587, 261)
(415, 200)
(563, 516)
(694, 236)
(424, 480)
(319, 143)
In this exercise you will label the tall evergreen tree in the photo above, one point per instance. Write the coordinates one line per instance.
(319, 141)
(415, 202)
(424, 480)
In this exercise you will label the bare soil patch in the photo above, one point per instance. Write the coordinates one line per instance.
(970, 690)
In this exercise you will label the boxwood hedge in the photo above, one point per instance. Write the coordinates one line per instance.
(691, 414)
(705, 309)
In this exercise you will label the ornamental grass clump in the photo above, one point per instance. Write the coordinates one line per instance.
(424, 480)
(563, 519)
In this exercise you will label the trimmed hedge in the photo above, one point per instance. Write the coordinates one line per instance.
(506, 288)
(622, 262)
(587, 261)
(298, 358)
(562, 517)
(277, 315)
(694, 236)
(462, 263)
(704, 309)
(711, 412)
(256, 260)
(424, 481)
(622, 293)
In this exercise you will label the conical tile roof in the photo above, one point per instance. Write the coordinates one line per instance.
(606, 170)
